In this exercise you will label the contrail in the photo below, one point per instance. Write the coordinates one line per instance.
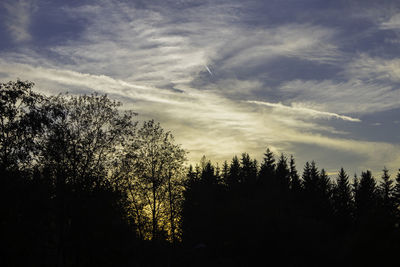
(209, 71)
(304, 110)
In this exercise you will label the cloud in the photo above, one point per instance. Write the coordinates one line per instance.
(160, 46)
(154, 58)
(18, 18)
(208, 123)
(370, 68)
(299, 109)
(392, 23)
(352, 96)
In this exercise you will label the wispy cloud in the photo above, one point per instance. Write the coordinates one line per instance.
(352, 96)
(392, 23)
(18, 18)
(370, 68)
(296, 108)
(157, 60)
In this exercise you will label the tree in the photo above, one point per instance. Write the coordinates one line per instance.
(386, 188)
(325, 193)
(267, 169)
(203, 208)
(20, 124)
(234, 178)
(365, 197)
(343, 203)
(83, 140)
(248, 170)
(283, 174)
(295, 183)
(57, 155)
(388, 208)
(155, 177)
(225, 172)
(310, 179)
(396, 190)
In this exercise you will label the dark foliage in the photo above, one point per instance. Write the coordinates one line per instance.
(81, 186)
(287, 220)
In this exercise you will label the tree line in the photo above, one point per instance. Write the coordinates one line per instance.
(245, 213)
(83, 183)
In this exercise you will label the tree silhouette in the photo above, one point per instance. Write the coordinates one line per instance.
(295, 183)
(267, 169)
(248, 171)
(387, 207)
(282, 173)
(365, 198)
(81, 184)
(396, 191)
(153, 178)
(20, 124)
(233, 178)
(343, 201)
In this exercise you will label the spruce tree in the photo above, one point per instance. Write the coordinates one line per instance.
(386, 187)
(295, 184)
(225, 172)
(311, 179)
(234, 173)
(248, 171)
(283, 173)
(267, 169)
(365, 197)
(388, 208)
(342, 198)
(396, 189)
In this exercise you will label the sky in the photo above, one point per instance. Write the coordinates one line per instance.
(318, 79)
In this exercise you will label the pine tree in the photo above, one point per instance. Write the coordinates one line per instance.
(396, 195)
(267, 169)
(295, 184)
(365, 197)
(324, 184)
(310, 179)
(208, 175)
(386, 187)
(248, 171)
(225, 172)
(342, 198)
(324, 195)
(388, 208)
(396, 189)
(282, 173)
(234, 173)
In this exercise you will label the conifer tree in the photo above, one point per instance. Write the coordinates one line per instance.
(342, 198)
(283, 173)
(324, 184)
(386, 187)
(225, 172)
(234, 172)
(248, 172)
(295, 184)
(396, 190)
(324, 195)
(310, 179)
(386, 190)
(267, 169)
(365, 197)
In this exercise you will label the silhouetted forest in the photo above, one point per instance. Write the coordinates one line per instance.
(83, 183)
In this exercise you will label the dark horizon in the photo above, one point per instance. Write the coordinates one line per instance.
(84, 183)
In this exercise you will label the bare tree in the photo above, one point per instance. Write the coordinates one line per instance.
(153, 171)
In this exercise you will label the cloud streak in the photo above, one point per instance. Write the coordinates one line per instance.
(18, 18)
(300, 109)
(313, 93)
